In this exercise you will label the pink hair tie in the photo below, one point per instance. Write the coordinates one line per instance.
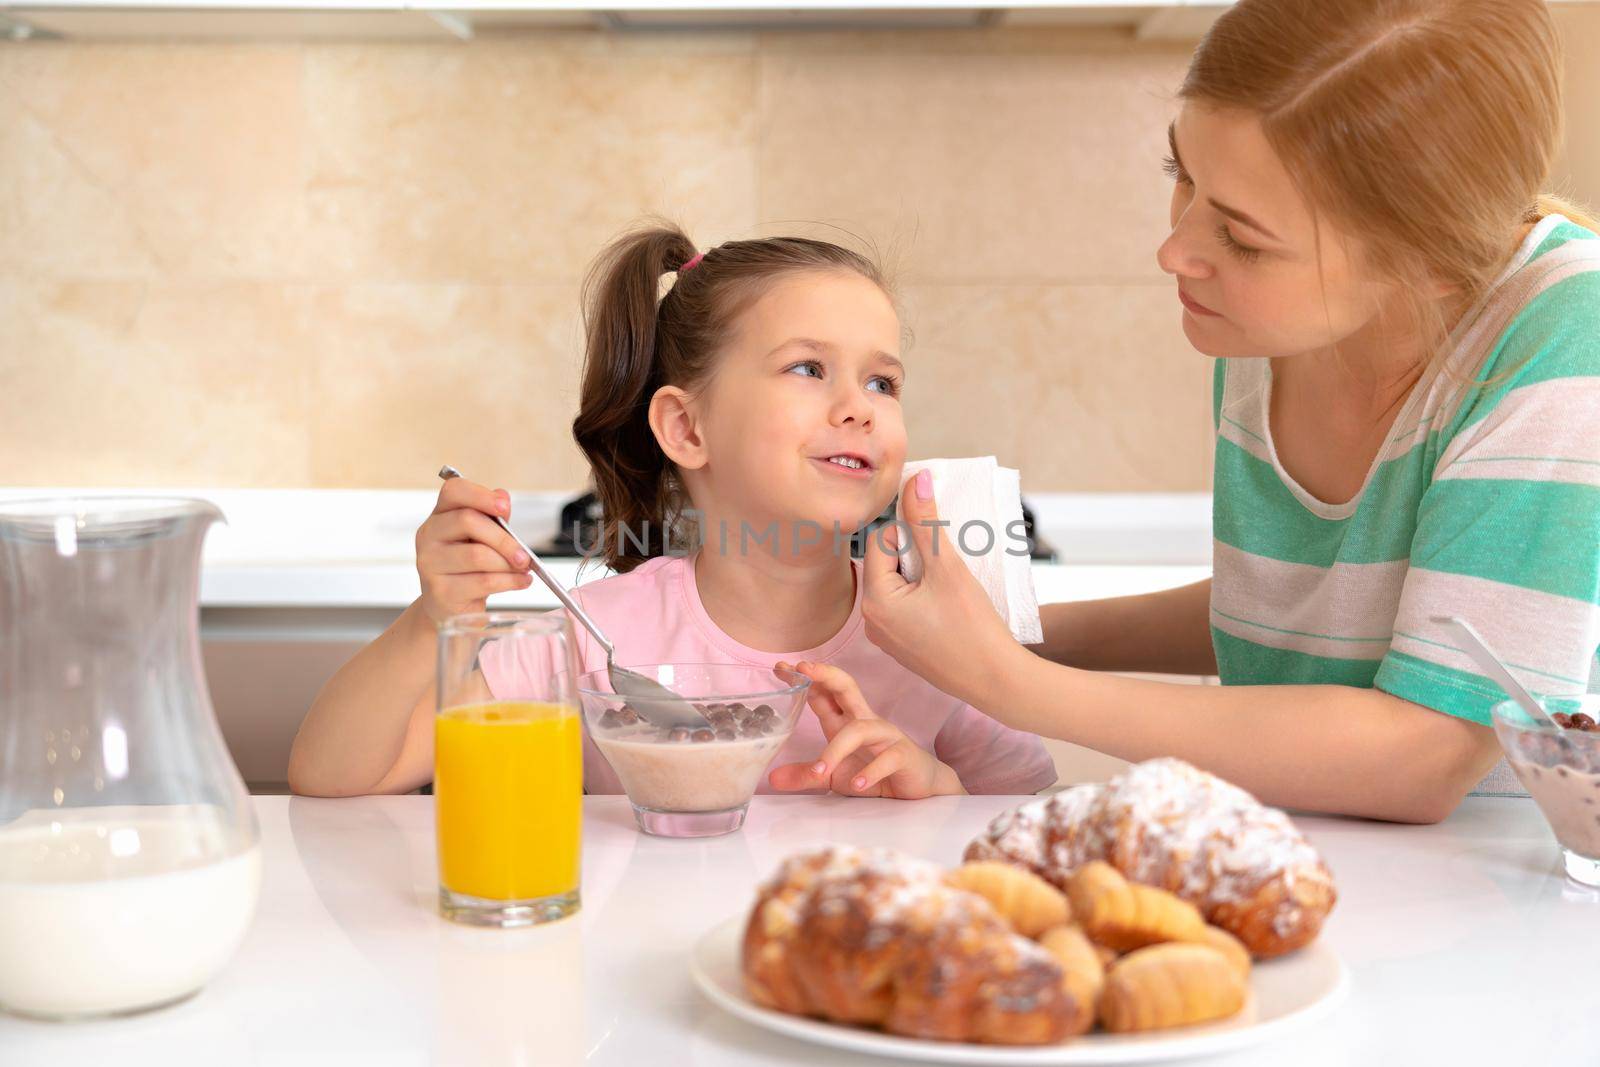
(692, 264)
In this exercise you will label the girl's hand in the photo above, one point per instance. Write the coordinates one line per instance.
(463, 555)
(866, 756)
(943, 626)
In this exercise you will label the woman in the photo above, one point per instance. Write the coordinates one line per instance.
(1407, 403)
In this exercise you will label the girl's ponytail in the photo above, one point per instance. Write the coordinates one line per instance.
(621, 372)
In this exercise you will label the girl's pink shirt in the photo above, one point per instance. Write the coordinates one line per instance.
(653, 614)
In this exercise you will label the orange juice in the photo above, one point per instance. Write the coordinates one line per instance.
(508, 790)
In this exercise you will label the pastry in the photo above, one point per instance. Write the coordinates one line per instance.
(1045, 834)
(774, 924)
(1082, 970)
(1125, 915)
(1027, 902)
(1230, 946)
(876, 938)
(1170, 985)
(1167, 824)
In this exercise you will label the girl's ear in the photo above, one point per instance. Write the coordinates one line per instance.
(673, 420)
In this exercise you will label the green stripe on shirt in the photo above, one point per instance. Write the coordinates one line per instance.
(1278, 526)
(1481, 529)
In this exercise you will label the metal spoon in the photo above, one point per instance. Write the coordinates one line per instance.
(652, 700)
(1491, 665)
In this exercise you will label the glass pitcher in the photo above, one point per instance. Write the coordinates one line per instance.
(129, 851)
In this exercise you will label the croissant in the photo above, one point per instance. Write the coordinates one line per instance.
(1083, 972)
(1125, 915)
(1027, 902)
(876, 938)
(1170, 985)
(773, 926)
(1231, 947)
(1167, 824)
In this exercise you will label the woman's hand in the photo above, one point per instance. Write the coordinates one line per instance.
(942, 627)
(463, 555)
(866, 756)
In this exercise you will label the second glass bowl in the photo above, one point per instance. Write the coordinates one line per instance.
(1561, 769)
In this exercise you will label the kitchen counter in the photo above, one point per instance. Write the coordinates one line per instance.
(1465, 943)
(392, 585)
(354, 549)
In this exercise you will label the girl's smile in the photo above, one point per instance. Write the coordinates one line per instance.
(848, 464)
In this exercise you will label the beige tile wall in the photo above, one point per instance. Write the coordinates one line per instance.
(341, 264)
(330, 264)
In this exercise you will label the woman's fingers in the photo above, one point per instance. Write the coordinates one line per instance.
(881, 568)
(922, 516)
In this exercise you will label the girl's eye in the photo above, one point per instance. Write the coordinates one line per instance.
(878, 383)
(1243, 252)
(1174, 170)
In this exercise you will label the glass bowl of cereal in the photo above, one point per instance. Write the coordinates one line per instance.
(1561, 769)
(694, 781)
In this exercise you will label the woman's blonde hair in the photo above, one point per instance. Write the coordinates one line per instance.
(1425, 129)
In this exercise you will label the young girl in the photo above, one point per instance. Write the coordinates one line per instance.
(762, 392)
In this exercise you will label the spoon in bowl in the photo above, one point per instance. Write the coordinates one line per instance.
(653, 701)
(1490, 664)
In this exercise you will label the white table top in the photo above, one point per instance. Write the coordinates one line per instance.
(1465, 942)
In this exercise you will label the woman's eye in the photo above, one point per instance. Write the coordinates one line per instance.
(1242, 251)
(811, 366)
(1174, 170)
(886, 386)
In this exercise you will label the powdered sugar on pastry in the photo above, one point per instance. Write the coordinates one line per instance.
(1075, 840)
(1171, 825)
(889, 888)
(1218, 841)
(1021, 835)
(1015, 836)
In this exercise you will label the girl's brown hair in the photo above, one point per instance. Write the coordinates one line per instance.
(638, 341)
(1425, 128)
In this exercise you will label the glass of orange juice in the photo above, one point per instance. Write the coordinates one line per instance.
(508, 769)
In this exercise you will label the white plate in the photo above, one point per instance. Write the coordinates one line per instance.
(1285, 993)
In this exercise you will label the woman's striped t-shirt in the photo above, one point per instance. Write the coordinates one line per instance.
(1484, 502)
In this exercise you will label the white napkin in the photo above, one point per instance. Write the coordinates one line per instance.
(981, 491)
